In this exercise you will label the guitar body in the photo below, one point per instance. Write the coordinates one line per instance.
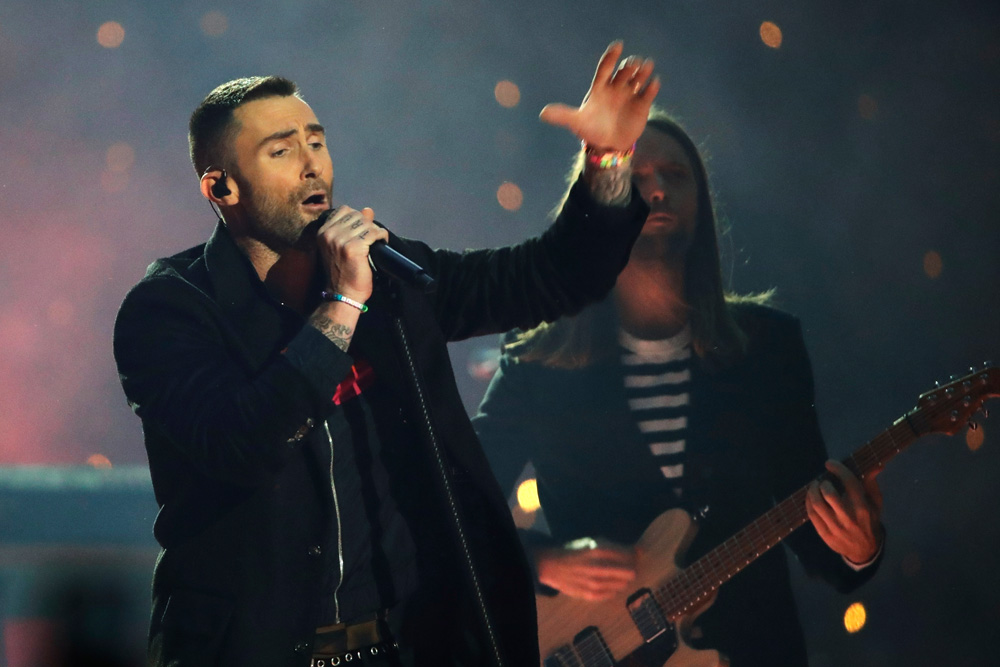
(561, 618)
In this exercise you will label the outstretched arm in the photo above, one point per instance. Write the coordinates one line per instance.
(609, 121)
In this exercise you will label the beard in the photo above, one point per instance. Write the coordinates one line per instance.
(666, 245)
(279, 222)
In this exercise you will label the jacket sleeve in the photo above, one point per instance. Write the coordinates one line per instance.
(799, 457)
(236, 424)
(574, 262)
(503, 424)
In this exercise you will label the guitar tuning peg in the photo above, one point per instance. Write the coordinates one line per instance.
(936, 384)
(986, 413)
(973, 425)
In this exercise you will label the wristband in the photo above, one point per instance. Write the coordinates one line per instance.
(607, 158)
(333, 296)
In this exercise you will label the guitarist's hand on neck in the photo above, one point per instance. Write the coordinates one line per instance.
(848, 519)
(586, 568)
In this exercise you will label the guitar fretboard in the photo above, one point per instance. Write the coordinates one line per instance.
(696, 582)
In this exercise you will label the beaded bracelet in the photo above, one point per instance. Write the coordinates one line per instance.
(606, 158)
(333, 296)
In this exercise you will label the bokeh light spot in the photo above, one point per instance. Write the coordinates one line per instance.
(119, 157)
(111, 35)
(770, 34)
(855, 617)
(114, 181)
(867, 107)
(510, 196)
(974, 438)
(214, 23)
(527, 495)
(933, 265)
(61, 312)
(99, 461)
(507, 94)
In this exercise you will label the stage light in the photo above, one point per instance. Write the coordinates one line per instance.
(867, 107)
(770, 34)
(510, 196)
(110, 35)
(933, 265)
(507, 94)
(99, 461)
(214, 23)
(114, 181)
(855, 617)
(527, 495)
(974, 438)
(119, 157)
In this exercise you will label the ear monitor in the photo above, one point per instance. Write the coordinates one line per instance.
(219, 188)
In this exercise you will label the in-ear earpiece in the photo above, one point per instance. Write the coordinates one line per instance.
(219, 188)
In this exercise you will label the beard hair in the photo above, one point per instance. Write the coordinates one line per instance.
(666, 246)
(278, 223)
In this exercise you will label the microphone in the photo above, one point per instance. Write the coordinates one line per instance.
(391, 262)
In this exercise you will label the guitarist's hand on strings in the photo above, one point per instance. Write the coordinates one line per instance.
(586, 568)
(848, 519)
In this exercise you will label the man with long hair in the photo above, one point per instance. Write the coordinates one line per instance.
(673, 394)
(322, 494)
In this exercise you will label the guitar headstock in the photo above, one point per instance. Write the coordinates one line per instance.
(948, 408)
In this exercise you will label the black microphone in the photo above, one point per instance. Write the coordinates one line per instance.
(392, 263)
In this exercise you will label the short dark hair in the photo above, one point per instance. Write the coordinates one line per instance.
(212, 126)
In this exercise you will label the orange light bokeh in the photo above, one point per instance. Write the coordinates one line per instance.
(507, 94)
(111, 35)
(527, 495)
(855, 617)
(933, 264)
(867, 107)
(119, 157)
(214, 23)
(99, 461)
(770, 34)
(510, 196)
(974, 439)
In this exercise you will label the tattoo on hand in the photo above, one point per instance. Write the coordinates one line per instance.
(357, 223)
(338, 333)
(611, 186)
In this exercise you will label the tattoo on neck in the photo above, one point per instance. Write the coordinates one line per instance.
(338, 333)
(611, 186)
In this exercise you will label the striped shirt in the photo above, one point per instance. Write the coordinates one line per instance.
(657, 381)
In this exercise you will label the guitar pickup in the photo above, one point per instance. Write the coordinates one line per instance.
(562, 657)
(648, 617)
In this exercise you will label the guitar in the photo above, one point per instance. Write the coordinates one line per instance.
(648, 627)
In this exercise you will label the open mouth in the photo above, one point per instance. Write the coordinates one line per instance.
(318, 199)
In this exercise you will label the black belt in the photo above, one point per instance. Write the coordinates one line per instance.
(359, 656)
(354, 643)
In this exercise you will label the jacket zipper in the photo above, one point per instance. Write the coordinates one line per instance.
(340, 536)
(449, 495)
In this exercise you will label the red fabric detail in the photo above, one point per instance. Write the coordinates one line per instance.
(361, 377)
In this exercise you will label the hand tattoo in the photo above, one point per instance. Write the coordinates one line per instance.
(338, 333)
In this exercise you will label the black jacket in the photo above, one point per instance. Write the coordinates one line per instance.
(233, 390)
(752, 439)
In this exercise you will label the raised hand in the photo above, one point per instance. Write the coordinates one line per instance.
(613, 112)
(848, 522)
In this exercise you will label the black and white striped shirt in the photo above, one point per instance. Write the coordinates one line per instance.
(657, 382)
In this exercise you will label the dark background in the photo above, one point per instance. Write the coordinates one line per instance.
(857, 166)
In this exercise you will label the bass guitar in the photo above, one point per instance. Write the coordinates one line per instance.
(648, 627)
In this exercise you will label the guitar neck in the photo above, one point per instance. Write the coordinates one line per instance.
(696, 582)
